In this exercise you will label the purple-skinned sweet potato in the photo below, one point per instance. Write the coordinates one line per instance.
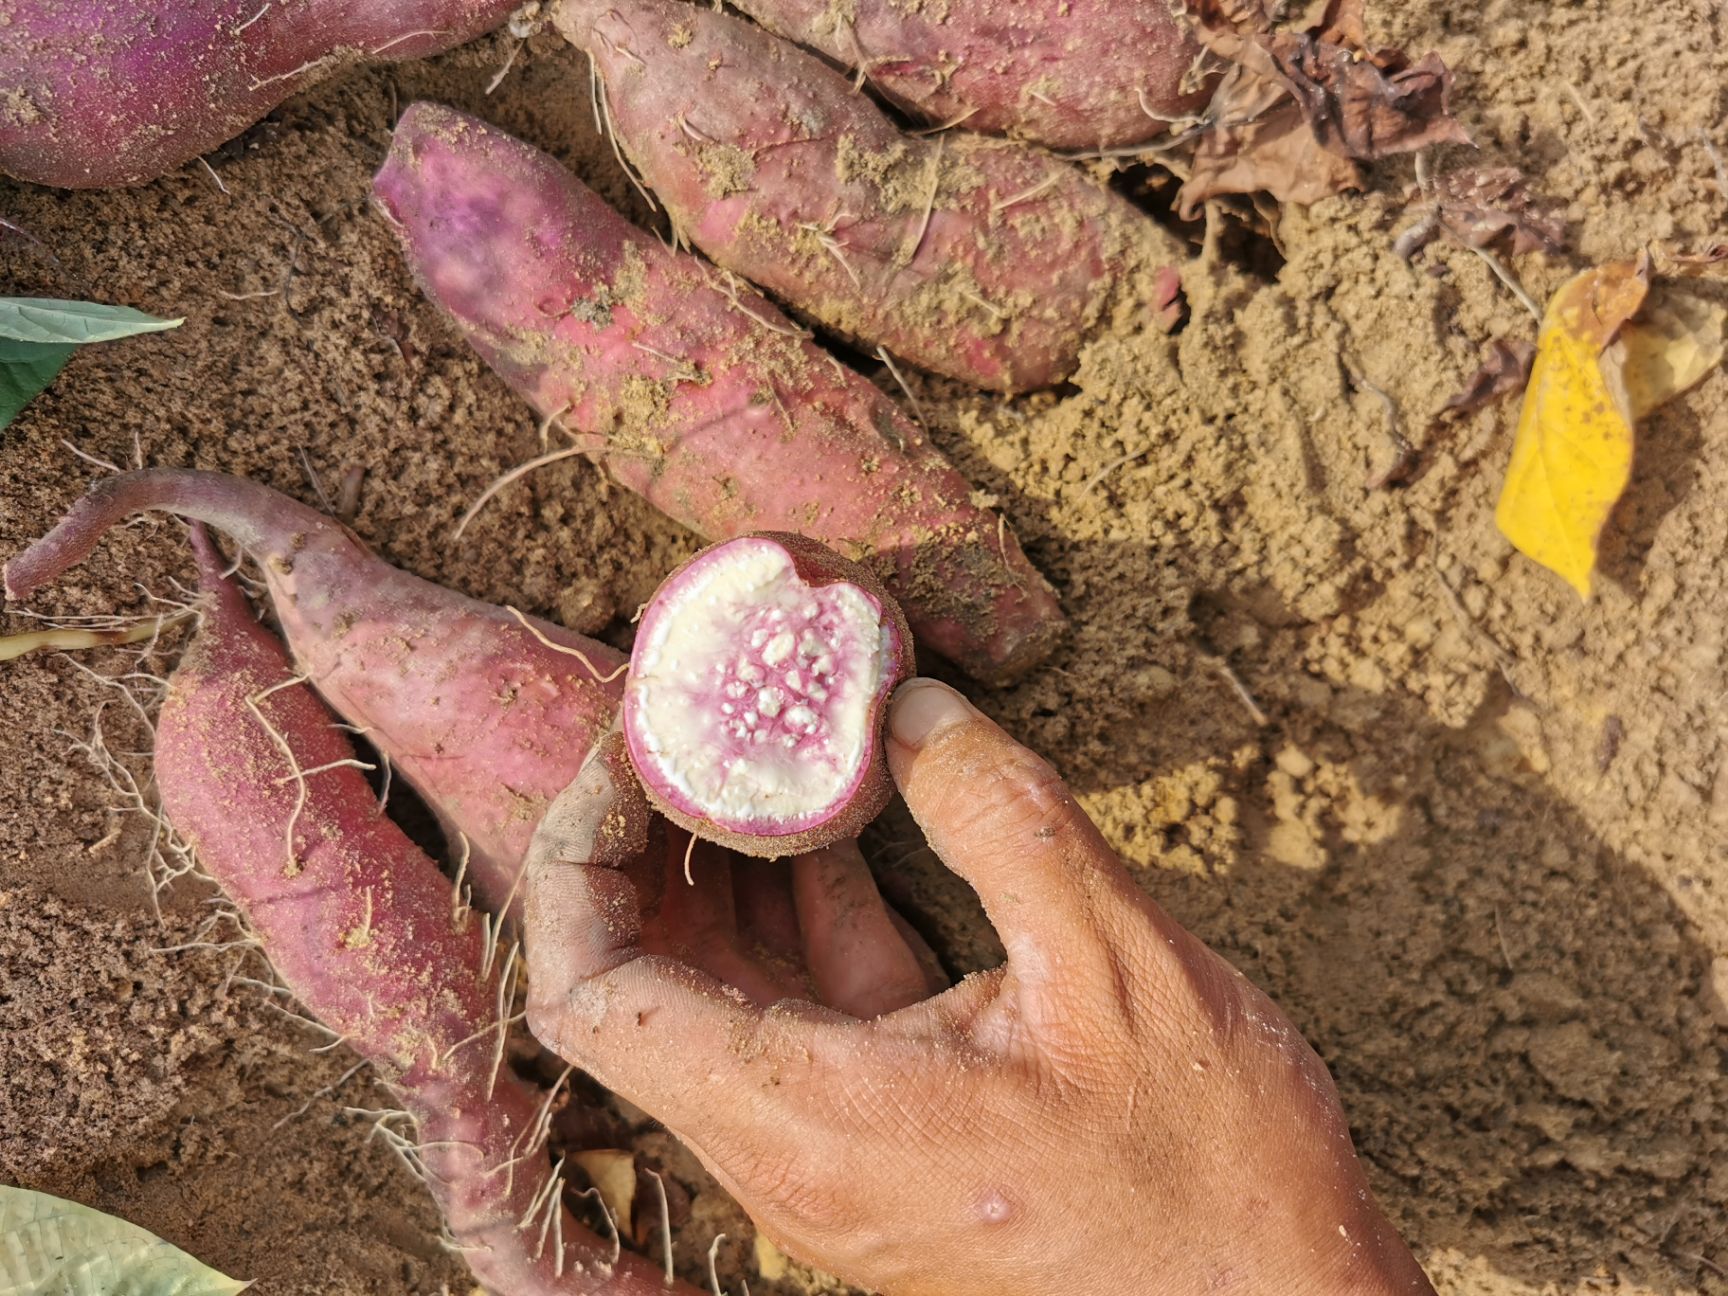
(490, 720)
(986, 260)
(117, 92)
(758, 691)
(1071, 74)
(705, 401)
(371, 939)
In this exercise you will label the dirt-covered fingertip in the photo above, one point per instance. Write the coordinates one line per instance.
(579, 921)
(599, 818)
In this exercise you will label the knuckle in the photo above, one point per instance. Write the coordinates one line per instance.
(1015, 799)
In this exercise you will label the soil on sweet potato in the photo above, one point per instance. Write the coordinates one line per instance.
(1471, 834)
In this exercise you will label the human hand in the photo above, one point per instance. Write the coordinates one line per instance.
(811, 928)
(1115, 1110)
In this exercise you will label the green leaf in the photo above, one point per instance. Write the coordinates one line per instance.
(25, 369)
(45, 319)
(51, 1247)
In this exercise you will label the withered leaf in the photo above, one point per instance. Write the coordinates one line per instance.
(1338, 21)
(1298, 109)
(1711, 259)
(54, 1247)
(1217, 16)
(1676, 339)
(1613, 347)
(1478, 206)
(1572, 455)
(1359, 111)
(1505, 369)
(613, 1175)
(1262, 142)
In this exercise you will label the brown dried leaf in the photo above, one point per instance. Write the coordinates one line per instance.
(1674, 341)
(1506, 369)
(1298, 108)
(1262, 143)
(1711, 259)
(1213, 18)
(1338, 21)
(1478, 206)
(1359, 111)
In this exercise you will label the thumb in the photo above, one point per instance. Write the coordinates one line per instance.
(1005, 821)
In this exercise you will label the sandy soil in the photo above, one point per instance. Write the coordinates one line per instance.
(1470, 833)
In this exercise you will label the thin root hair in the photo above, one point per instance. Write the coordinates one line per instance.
(506, 1000)
(728, 286)
(91, 459)
(611, 1224)
(287, 751)
(665, 1224)
(519, 471)
(568, 651)
(893, 369)
(323, 1092)
(610, 131)
(534, 1135)
(460, 898)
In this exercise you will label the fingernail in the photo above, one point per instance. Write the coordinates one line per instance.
(922, 708)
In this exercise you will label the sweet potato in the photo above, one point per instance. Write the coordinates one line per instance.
(983, 259)
(1072, 74)
(489, 719)
(757, 693)
(116, 92)
(363, 929)
(707, 402)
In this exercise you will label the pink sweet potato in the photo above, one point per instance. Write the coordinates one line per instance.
(363, 929)
(983, 259)
(708, 403)
(1072, 74)
(758, 691)
(115, 92)
(488, 720)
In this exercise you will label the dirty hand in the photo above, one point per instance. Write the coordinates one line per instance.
(1115, 1110)
(814, 927)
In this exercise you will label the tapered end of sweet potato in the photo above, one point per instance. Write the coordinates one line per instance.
(758, 691)
(453, 187)
(505, 240)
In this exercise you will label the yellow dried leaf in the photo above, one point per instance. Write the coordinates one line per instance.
(770, 1260)
(613, 1174)
(1675, 340)
(1573, 454)
(1611, 350)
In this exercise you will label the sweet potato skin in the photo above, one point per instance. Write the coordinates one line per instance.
(1070, 74)
(706, 402)
(984, 260)
(365, 932)
(490, 720)
(117, 92)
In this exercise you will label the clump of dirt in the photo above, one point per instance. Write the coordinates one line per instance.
(1470, 832)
